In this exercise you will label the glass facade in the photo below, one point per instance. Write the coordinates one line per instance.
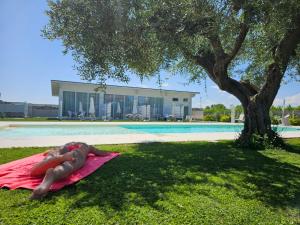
(128, 106)
(114, 107)
(76, 104)
(117, 106)
(150, 107)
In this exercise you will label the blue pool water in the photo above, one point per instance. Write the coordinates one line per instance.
(66, 130)
(205, 128)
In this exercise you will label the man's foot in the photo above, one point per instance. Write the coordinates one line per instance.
(38, 194)
(41, 191)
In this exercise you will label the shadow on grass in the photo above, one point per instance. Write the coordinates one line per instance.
(293, 145)
(146, 174)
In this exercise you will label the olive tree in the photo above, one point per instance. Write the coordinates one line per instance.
(245, 47)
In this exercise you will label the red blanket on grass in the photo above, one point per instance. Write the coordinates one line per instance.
(16, 174)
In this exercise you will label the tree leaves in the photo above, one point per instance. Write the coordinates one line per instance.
(108, 38)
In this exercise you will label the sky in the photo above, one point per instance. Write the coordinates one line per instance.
(28, 63)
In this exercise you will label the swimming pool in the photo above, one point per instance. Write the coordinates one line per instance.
(86, 130)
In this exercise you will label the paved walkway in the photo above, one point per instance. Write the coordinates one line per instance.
(114, 139)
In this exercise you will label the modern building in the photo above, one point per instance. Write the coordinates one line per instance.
(113, 102)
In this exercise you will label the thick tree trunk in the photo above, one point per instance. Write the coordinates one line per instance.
(257, 125)
(257, 119)
(256, 104)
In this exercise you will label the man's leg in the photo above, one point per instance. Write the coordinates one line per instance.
(50, 161)
(52, 175)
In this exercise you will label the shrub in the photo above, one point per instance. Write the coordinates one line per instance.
(209, 118)
(259, 142)
(2, 115)
(275, 120)
(225, 118)
(295, 121)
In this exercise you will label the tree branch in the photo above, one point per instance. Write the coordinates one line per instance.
(282, 55)
(217, 47)
(238, 43)
(288, 44)
(219, 73)
(207, 61)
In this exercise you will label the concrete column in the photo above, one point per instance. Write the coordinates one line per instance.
(101, 105)
(75, 103)
(190, 105)
(232, 113)
(25, 109)
(60, 103)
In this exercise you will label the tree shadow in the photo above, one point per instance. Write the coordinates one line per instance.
(293, 148)
(145, 175)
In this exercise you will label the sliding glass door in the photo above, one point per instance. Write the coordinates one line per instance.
(68, 104)
(150, 107)
(117, 106)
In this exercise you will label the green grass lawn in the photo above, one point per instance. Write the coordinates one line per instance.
(170, 183)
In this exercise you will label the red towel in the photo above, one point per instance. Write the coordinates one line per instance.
(16, 173)
(73, 147)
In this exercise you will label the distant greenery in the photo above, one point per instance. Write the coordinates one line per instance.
(215, 112)
(225, 118)
(170, 183)
(295, 121)
(276, 114)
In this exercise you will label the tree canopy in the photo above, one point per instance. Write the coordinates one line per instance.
(109, 37)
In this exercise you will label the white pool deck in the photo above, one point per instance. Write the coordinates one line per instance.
(43, 141)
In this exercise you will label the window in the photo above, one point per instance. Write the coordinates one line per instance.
(175, 99)
(68, 103)
(185, 99)
(81, 104)
(150, 107)
(116, 106)
(128, 105)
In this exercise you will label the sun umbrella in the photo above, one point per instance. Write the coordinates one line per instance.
(118, 107)
(92, 107)
(80, 107)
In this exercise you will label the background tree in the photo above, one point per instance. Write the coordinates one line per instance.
(239, 110)
(215, 111)
(214, 38)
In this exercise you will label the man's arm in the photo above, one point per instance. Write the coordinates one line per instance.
(96, 151)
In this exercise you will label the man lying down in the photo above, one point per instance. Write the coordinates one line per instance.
(59, 163)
